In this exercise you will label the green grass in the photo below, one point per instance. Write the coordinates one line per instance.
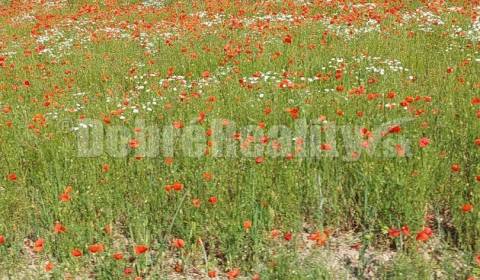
(363, 197)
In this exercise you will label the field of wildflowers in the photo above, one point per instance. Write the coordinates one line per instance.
(234, 139)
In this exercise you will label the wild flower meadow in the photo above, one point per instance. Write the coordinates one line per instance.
(234, 139)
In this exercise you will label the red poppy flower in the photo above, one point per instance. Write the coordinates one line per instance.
(247, 225)
(287, 39)
(287, 236)
(96, 248)
(212, 274)
(207, 176)
(428, 231)
(475, 101)
(177, 186)
(77, 253)
(319, 237)
(391, 95)
(294, 112)
(2, 239)
(38, 245)
(423, 142)
(49, 266)
(59, 228)
(178, 243)
(467, 207)
(105, 168)
(395, 129)
(455, 168)
(326, 147)
(12, 177)
(117, 256)
(128, 271)
(133, 143)
(422, 236)
(7, 109)
(394, 233)
(196, 202)
(213, 200)
(106, 120)
(178, 124)
(275, 233)
(64, 197)
(141, 249)
(201, 117)
(234, 273)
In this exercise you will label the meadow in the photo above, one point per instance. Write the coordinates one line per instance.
(234, 139)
